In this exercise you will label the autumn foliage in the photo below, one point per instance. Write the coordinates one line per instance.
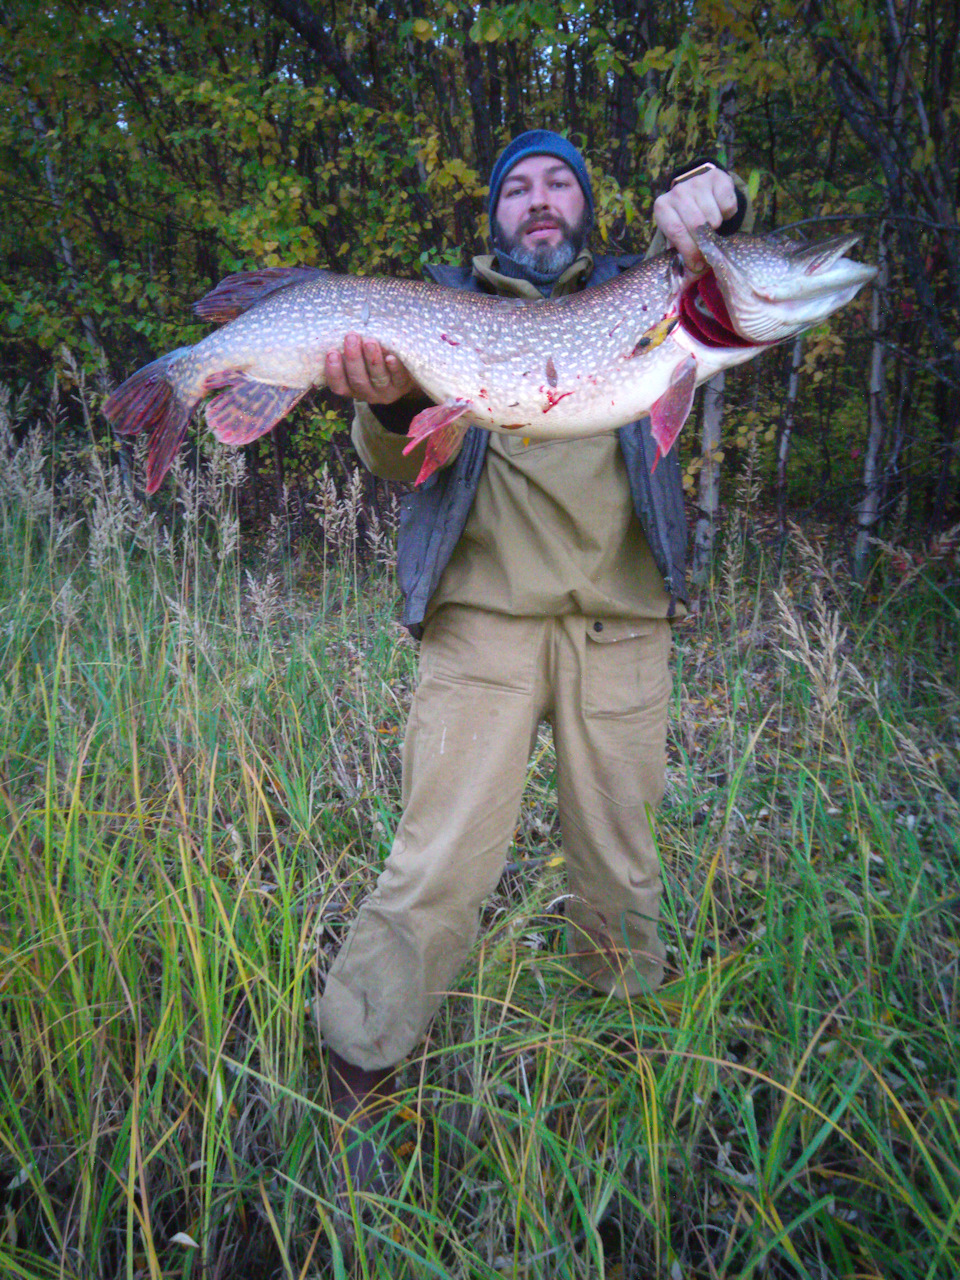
(164, 144)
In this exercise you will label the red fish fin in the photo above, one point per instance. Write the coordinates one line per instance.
(145, 398)
(147, 401)
(441, 447)
(434, 419)
(670, 412)
(243, 290)
(440, 426)
(165, 441)
(247, 410)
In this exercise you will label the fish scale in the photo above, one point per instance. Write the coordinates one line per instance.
(637, 344)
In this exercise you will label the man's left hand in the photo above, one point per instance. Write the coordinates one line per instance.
(690, 202)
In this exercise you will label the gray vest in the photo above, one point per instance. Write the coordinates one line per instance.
(433, 516)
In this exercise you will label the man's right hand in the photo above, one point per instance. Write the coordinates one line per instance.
(364, 371)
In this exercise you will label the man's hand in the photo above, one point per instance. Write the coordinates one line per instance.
(690, 202)
(364, 371)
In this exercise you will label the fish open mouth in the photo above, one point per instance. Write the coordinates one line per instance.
(705, 317)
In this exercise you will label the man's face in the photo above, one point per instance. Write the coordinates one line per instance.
(540, 219)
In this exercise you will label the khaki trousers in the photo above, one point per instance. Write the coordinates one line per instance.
(486, 681)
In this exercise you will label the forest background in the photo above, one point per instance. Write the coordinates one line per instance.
(203, 693)
(149, 149)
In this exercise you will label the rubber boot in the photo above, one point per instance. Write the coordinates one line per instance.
(360, 1101)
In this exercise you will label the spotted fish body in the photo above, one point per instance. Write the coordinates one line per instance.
(637, 344)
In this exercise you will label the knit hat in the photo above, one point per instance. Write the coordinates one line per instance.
(538, 142)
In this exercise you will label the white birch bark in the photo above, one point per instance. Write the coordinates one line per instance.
(785, 435)
(868, 510)
(708, 493)
(708, 503)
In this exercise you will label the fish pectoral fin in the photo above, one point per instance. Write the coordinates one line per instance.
(244, 289)
(443, 431)
(247, 410)
(670, 412)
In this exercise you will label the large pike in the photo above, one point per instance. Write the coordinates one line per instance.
(638, 344)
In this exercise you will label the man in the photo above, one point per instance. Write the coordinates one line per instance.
(542, 579)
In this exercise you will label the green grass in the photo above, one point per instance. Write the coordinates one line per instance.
(198, 780)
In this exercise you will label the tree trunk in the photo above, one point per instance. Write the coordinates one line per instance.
(785, 431)
(868, 511)
(708, 503)
(705, 532)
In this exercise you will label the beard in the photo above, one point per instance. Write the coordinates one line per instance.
(546, 259)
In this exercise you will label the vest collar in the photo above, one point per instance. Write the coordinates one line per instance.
(569, 281)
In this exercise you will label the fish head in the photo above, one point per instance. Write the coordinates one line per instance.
(774, 290)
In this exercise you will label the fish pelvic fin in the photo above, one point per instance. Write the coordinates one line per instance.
(148, 401)
(670, 412)
(244, 289)
(441, 449)
(443, 431)
(247, 409)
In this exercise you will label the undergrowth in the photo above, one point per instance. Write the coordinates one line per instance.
(199, 778)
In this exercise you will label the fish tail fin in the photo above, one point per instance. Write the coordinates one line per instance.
(149, 400)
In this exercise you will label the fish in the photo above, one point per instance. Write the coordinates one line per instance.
(636, 345)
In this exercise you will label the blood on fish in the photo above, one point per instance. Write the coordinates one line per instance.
(454, 342)
(554, 398)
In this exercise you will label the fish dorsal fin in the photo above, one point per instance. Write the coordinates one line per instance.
(243, 290)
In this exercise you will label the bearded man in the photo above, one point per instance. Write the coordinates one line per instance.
(542, 580)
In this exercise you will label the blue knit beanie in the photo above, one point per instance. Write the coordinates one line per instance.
(538, 142)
